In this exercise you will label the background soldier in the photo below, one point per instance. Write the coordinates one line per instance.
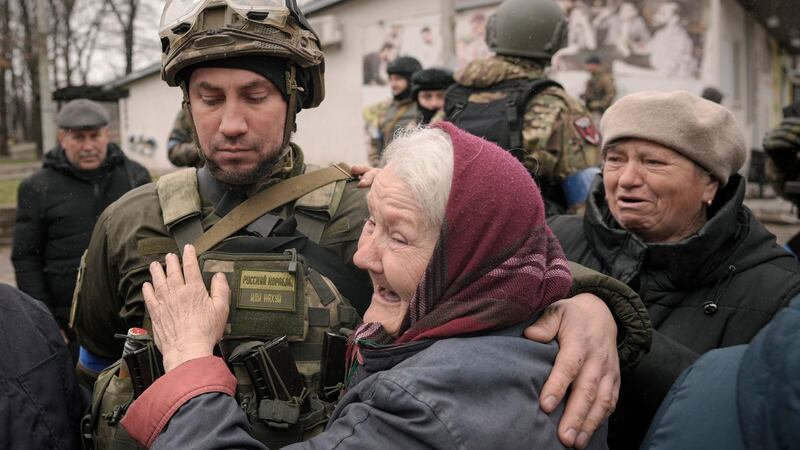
(508, 100)
(428, 88)
(783, 167)
(289, 264)
(600, 90)
(713, 94)
(181, 149)
(58, 206)
(385, 118)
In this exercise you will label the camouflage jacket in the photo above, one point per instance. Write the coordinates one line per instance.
(558, 137)
(181, 148)
(600, 92)
(382, 120)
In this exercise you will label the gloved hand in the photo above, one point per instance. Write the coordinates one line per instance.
(782, 145)
(784, 138)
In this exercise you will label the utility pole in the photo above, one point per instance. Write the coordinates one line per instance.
(448, 33)
(48, 109)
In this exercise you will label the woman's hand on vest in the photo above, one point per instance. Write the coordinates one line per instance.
(587, 339)
(187, 322)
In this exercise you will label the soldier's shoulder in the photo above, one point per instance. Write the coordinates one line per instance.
(133, 205)
(377, 108)
(556, 97)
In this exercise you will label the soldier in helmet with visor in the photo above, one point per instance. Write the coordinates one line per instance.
(282, 233)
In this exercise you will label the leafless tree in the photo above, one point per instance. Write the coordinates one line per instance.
(125, 13)
(28, 30)
(5, 65)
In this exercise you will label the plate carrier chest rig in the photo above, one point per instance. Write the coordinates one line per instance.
(287, 326)
(499, 116)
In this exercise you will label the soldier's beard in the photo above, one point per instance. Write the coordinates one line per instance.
(261, 172)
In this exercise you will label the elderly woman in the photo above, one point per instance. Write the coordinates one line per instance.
(440, 360)
(666, 217)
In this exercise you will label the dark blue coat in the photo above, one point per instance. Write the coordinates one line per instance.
(40, 404)
(738, 398)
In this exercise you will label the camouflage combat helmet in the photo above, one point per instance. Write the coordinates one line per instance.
(195, 31)
(527, 28)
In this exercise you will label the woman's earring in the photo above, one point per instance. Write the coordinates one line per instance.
(709, 202)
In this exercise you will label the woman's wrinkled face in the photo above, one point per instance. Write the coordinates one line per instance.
(395, 246)
(655, 192)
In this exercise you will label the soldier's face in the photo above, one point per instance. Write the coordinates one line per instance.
(397, 84)
(655, 192)
(433, 100)
(395, 247)
(85, 149)
(239, 116)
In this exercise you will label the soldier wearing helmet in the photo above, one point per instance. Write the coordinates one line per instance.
(508, 99)
(282, 233)
(428, 88)
(385, 118)
(246, 68)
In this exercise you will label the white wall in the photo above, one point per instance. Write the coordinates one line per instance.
(334, 131)
(146, 117)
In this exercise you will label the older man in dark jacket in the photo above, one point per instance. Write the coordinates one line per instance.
(59, 205)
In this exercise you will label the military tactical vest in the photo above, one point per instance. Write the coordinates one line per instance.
(495, 113)
(286, 332)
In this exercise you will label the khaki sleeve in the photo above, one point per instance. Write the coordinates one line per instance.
(543, 134)
(341, 237)
(97, 305)
(342, 232)
(609, 92)
(184, 154)
(126, 239)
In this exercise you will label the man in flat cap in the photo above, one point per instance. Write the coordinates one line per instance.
(58, 206)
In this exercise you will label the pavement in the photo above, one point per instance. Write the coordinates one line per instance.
(778, 215)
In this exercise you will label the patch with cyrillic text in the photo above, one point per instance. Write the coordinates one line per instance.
(267, 290)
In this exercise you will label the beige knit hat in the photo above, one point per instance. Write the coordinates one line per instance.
(698, 129)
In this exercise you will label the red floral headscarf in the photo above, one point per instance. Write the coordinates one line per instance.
(496, 261)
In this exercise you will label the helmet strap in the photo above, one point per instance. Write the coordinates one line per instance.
(187, 109)
(291, 108)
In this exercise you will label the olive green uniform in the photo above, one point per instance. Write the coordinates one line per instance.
(556, 140)
(131, 234)
(181, 148)
(599, 94)
(383, 120)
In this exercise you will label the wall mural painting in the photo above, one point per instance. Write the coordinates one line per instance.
(655, 38)
(385, 41)
(470, 35)
(142, 145)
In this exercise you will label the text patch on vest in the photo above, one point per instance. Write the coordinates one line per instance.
(273, 291)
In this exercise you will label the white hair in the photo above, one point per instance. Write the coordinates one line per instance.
(423, 159)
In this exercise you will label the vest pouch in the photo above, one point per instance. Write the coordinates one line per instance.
(110, 399)
(271, 391)
(267, 298)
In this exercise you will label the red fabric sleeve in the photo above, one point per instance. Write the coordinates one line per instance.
(151, 412)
